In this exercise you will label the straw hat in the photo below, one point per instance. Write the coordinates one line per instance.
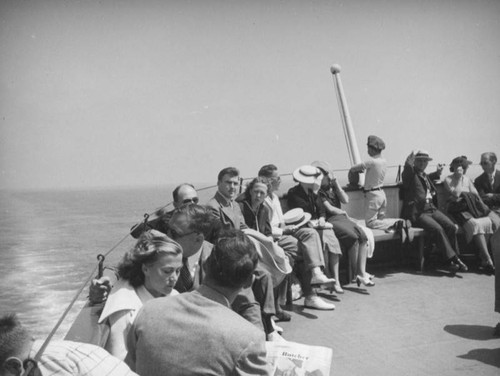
(306, 174)
(296, 217)
(323, 166)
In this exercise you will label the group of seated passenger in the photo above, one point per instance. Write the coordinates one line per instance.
(168, 309)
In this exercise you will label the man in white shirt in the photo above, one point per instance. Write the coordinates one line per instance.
(375, 199)
(303, 244)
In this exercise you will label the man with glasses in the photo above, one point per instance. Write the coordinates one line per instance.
(488, 183)
(183, 194)
(18, 351)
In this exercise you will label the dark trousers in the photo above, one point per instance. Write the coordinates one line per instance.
(442, 228)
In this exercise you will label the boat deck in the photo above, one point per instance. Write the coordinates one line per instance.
(408, 324)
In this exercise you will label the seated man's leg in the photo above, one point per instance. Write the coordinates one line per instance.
(449, 227)
(263, 291)
(289, 245)
(429, 223)
(310, 248)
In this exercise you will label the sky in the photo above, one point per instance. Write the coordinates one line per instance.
(133, 93)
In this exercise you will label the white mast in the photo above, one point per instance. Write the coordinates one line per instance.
(350, 137)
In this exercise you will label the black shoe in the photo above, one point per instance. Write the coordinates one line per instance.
(488, 269)
(283, 316)
(453, 267)
(409, 232)
(496, 332)
(401, 230)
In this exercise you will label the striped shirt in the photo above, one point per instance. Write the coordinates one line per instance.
(64, 358)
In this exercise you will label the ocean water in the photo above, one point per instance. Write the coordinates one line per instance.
(49, 241)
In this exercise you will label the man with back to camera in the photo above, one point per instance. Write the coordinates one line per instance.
(198, 334)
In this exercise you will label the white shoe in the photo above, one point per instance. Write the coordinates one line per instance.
(316, 302)
(321, 279)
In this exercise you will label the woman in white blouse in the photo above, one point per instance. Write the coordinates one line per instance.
(149, 270)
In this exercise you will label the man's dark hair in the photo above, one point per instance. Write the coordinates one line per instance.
(491, 156)
(267, 170)
(13, 337)
(175, 193)
(233, 259)
(231, 171)
(191, 218)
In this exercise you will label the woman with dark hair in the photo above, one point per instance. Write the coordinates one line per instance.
(352, 237)
(257, 215)
(467, 208)
(149, 270)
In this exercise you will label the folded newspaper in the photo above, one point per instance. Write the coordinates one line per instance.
(296, 359)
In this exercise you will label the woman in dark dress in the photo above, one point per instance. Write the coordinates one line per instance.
(352, 238)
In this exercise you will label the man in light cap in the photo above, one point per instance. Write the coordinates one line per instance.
(421, 208)
(375, 199)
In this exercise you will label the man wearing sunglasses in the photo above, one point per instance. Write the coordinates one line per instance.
(183, 194)
(18, 351)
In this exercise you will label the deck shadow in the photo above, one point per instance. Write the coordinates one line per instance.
(358, 290)
(438, 273)
(327, 296)
(301, 310)
(473, 332)
(486, 356)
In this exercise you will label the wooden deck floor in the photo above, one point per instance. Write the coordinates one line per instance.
(408, 324)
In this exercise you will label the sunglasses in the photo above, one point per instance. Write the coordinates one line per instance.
(193, 200)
